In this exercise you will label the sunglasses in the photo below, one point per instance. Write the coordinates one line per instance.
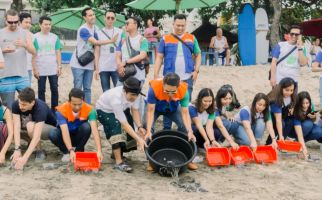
(110, 18)
(295, 34)
(170, 92)
(13, 22)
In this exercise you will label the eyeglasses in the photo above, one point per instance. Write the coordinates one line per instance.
(110, 18)
(13, 22)
(295, 34)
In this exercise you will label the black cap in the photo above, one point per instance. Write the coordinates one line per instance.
(132, 85)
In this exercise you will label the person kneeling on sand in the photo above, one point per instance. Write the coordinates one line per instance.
(169, 97)
(113, 110)
(32, 121)
(76, 121)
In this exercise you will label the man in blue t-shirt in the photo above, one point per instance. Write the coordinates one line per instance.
(290, 65)
(87, 38)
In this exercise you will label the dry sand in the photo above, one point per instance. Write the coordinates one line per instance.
(289, 179)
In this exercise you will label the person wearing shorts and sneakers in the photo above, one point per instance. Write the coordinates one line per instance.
(15, 42)
(32, 120)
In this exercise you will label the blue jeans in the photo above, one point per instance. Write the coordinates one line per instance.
(258, 129)
(167, 123)
(288, 128)
(106, 78)
(231, 128)
(9, 86)
(30, 75)
(311, 131)
(83, 80)
(78, 137)
(53, 82)
(176, 117)
(320, 91)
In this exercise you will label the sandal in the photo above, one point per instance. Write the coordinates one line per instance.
(123, 167)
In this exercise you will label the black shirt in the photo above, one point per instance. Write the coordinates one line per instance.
(40, 112)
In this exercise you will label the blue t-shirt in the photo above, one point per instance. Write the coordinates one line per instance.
(165, 106)
(85, 34)
(204, 116)
(318, 57)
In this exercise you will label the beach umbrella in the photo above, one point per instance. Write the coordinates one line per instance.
(312, 27)
(173, 4)
(71, 18)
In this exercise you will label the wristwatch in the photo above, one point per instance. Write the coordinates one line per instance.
(71, 149)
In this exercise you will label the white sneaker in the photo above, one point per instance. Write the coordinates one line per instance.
(65, 158)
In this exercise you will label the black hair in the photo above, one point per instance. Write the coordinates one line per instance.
(111, 11)
(179, 16)
(276, 95)
(23, 16)
(132, 85)
(146, 22)
(27, 95)
(77, 93)
(205, 92)
(84, 11)
(42, 18)
(136, 20)
(295, 27)
(172, 79)
(222, 93)
(11, 12)
(298, 111)
(258, 97)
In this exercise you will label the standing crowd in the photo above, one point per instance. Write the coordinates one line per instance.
(122, 57)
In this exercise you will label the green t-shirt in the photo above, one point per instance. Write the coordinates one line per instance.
(92, 115)
(185, 101)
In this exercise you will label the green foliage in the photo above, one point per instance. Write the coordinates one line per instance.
(49, 6)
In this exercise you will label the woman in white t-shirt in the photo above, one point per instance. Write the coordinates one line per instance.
(255, 119)
(202, 113)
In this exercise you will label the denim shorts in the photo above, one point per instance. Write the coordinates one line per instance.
(14, 83)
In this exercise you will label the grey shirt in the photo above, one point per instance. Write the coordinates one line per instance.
(15, 62)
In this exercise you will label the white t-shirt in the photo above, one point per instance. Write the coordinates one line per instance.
(245, 114)
(114, 101)
(46, 47)
(107, 60)
(290, 66)
(1, 56)
(136, 45)
(220, 44)
(29, 56)
(83, 34)
(180, 65)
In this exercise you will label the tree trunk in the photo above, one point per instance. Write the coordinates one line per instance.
(274, 33)
(17, 5)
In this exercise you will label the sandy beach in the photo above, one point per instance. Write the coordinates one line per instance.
(289, 179)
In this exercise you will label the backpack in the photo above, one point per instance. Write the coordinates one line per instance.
(235, 103)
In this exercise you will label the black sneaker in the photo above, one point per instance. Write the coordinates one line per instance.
(123, 167)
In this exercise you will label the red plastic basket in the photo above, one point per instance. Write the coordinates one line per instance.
(218, 156)
(265, 154)
(86, 161)
(290, 146)
(241, 156)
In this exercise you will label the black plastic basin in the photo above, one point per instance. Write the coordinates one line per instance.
(170, 150)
